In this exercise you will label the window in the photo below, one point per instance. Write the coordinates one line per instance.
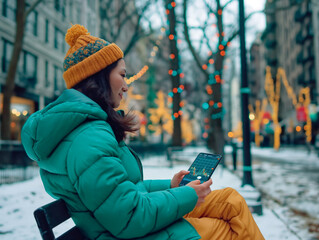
(59, 40)
(91, 22)
(9, 9)
(71, 10)
(59, 6)
(312, 73)
(30, 68)
(46, 31)
(58, 80)
(78, 12)
(32, 23)
(7, 52)
(46, 77)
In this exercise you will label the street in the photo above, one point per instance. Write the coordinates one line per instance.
(290, 185)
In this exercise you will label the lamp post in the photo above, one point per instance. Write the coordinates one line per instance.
(244, 91)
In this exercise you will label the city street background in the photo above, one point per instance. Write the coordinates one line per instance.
(238, 78)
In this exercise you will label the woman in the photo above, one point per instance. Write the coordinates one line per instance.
(78, 143)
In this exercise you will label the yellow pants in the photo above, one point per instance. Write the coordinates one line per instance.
(224, 215)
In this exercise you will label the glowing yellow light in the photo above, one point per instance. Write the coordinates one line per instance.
(137, 76)
(230, 134)
(258, 116)
(252, 116)
(265, 121)
(298, 128)
(25, 113)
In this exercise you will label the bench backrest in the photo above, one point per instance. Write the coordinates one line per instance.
(51, 215)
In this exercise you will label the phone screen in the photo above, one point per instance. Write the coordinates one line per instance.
(202, 168)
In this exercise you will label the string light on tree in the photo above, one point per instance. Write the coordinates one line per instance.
(151, 59)
(274, 96)
(258, 116)
(174, 72)
(137, 76)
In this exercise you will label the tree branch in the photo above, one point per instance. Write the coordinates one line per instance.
(225, 5)
(30, 9)
(187, 38)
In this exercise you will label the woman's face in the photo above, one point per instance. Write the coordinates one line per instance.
(117, 83)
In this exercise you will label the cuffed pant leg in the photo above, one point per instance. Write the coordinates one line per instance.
(211, 228)
(226, 205)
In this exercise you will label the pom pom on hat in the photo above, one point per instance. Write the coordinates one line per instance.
(74, 32)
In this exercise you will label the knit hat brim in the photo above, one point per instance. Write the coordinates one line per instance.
(92, 64)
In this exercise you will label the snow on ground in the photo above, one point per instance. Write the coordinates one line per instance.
(269, 224)
(298, 155)
(19, 200)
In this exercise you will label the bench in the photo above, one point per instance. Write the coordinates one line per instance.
(50, 216)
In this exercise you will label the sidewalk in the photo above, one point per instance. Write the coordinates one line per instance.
(19, 200)
(293, 154)
(290, 154)
(270, 225)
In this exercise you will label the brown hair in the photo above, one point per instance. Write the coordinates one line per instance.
(97, 87)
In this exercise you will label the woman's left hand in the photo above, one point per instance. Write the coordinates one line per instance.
(176, 180)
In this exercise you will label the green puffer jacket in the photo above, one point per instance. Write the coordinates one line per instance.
(100, 179)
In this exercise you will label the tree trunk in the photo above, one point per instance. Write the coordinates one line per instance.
(216, 136)
(175, 78)
(10, 79)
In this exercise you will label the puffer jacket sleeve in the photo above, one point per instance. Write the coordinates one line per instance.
(104, 188)
(157, 185)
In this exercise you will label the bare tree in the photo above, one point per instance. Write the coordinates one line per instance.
(226, 34)
(121, 21)
(175, 76)
(21, 17)
(217, 56)
(126, 22)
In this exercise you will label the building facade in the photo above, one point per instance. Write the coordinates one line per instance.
(291, 43)
(256, 70)
(39, 75)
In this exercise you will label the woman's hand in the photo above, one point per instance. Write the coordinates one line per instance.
(202, 190)
(176, 180)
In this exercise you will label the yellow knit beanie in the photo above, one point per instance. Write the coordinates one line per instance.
(87, 55)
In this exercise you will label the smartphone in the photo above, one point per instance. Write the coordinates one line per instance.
(202, 168)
